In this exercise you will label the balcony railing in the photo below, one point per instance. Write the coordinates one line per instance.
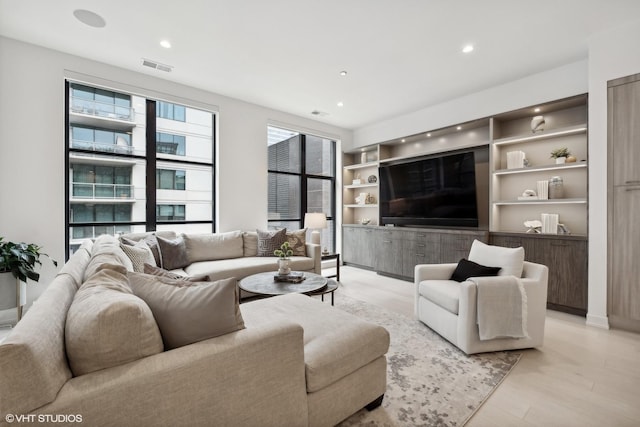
(117, 147)
(90, 191)
(91, 232)
(102, 109)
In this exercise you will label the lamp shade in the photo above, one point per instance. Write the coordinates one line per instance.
(315, 220)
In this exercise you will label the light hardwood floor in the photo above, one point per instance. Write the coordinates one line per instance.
(582, 376)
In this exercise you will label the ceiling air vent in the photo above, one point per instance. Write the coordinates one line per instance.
(319, 113)
(157, 65)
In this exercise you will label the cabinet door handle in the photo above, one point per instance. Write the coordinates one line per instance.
(421, 255)
(386, 241)
(632, 189)
(421, 245)
(632, 182)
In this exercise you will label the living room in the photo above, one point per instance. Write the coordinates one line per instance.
(32, 169)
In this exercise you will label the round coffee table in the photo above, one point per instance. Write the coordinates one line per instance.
(264, 284)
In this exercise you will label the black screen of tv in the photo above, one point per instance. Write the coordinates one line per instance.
(434, 191)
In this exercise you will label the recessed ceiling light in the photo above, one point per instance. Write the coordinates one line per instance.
(429, 135)
(403, 140)
(468, 48)
(459, 128)
(89, 18)
(165, 44)
(536, 110)
(343, 73)
(340, 104)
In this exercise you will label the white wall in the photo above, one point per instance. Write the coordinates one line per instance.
(32, 205)
(561, 82)
(612, 54)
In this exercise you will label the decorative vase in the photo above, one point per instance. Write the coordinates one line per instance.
(560, 160)
(556, 190)
(284, 266)
(537, 124)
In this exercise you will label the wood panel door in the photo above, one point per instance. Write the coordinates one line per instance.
(624, 203)
(624, 295)
(624, 130)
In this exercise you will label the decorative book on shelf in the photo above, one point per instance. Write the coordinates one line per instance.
(293, 277)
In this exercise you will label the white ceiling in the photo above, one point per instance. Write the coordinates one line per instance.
(401, 55)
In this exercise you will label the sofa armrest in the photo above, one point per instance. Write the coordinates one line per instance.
(314, 252)
(254, 376)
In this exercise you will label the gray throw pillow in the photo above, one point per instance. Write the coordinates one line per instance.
(173, 252)
(269, 241)
(151, 241)
(193, 313)
(139, 254)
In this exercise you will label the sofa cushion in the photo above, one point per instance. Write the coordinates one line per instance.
(139, 254)
(107, 325)
(173, 252)
(243, 267)
(297, 241)
(213, 246)
(269, 241)
(511, 260)
(188, 314)
(445, 293)
(106, 250)
(250, 243)
(466, 269)
(335, 343)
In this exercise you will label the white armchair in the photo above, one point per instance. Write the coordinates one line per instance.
(450, 307)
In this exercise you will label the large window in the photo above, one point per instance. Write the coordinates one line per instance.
(301, 180)
(128, 162)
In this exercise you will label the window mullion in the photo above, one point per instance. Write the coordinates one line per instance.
(151, 165)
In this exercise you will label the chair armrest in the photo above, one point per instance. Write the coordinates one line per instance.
(433, 272)
(314, 252)
(255, 376)
(430, 272)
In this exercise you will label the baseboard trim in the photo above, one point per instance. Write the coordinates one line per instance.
(601, 322)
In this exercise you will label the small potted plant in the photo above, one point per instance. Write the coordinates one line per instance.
(19, 260)
(284, 262)
(560, 154)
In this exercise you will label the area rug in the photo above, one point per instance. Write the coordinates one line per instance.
(429, 381)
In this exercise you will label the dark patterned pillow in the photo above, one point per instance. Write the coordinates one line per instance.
(297, 242)
(174, 253)
(466, 269)
(269, 241)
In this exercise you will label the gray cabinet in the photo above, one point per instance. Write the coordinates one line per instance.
(624, 202)
(388, 250)
(396, 251)
(358, 246)
(566, 257)
(419, 248)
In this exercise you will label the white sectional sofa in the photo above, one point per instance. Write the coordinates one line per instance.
(288, 361)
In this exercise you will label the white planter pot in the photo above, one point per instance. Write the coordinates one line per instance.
(284, 266)
(560, 160)
(8, 291)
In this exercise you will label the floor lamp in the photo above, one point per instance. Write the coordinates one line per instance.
(315, 221)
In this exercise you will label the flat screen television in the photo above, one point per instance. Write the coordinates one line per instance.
(438, 190)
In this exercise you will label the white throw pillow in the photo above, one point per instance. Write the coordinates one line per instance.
(510, 260)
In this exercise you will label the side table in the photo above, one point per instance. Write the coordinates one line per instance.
(337, 258)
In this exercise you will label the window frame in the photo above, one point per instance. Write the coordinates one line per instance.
(304, 178)
(150, 157)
